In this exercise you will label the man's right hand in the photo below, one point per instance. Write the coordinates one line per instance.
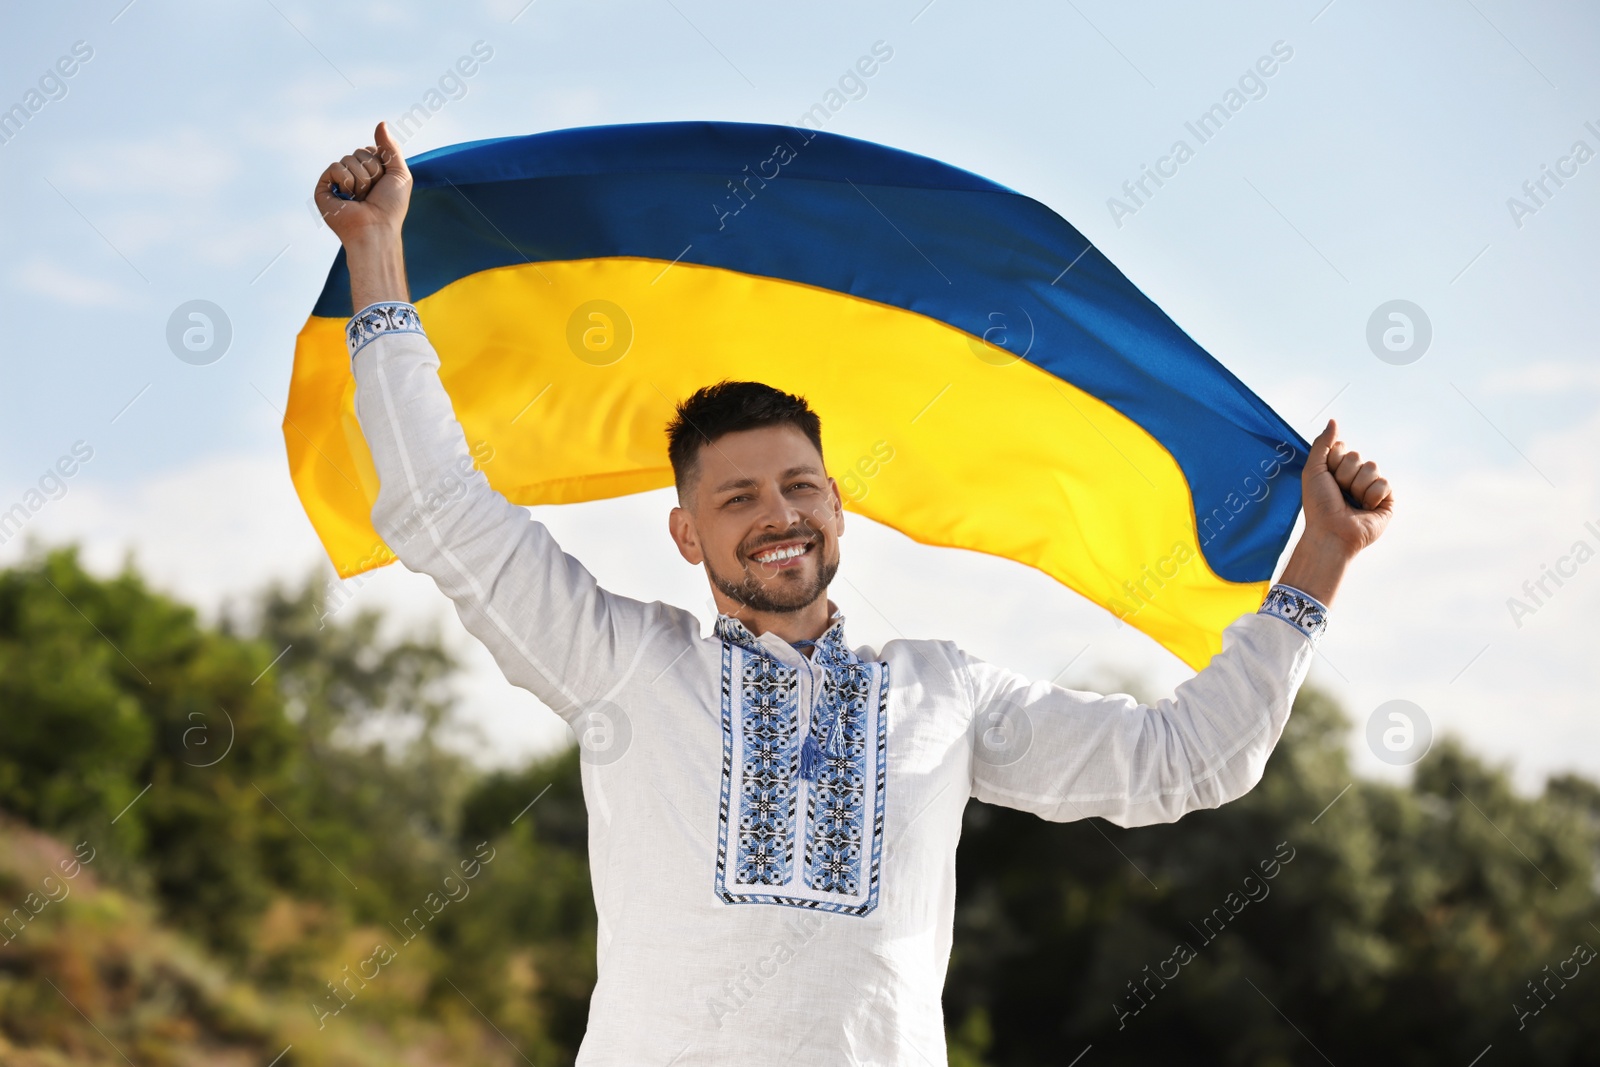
(379, 180)
(369, 225)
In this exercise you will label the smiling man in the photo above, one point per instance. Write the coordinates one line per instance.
(773, 812)
(765, 447)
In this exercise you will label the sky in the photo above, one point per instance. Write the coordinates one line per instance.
(1392, 155)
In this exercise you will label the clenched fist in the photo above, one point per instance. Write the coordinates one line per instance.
(1348, 505)
(378, 183)
(1334, 472)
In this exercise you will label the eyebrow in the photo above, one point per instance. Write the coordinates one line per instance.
(748, 482)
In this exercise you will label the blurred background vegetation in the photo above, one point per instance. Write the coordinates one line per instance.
(204, 836)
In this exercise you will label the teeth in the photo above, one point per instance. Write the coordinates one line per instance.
(782, 553)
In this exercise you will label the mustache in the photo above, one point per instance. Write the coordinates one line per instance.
(794, 533)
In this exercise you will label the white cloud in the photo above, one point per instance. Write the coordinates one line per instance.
(1413, 612)
(1542, 376)
(51, 280)
(179, 161)
(1432, 595)
(558, 108)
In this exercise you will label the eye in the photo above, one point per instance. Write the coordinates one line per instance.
(803, 485)
(736, 499)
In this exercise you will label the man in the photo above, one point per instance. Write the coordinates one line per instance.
(774, 813)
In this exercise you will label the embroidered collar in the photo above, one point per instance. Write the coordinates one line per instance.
(804, 767)
(830, 647)
(824, 739)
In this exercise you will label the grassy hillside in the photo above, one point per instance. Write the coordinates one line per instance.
(94, 978)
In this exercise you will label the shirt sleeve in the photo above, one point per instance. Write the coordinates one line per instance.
(1064, 754)
(549, 625)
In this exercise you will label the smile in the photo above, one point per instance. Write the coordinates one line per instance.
(781, 553)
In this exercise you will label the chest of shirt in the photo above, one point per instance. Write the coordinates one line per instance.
(783, 780)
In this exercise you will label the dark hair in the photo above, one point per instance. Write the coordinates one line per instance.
(729, 407)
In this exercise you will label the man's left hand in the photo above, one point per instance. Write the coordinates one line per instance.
(1332, 471)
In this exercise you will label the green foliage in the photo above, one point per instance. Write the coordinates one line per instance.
(302, 809)
(527, 948)
(1402, 930)
(110, 698)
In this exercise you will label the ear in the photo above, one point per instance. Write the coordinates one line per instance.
(681, 525)
(838, 508)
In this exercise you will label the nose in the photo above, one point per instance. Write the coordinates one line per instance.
(778, 512)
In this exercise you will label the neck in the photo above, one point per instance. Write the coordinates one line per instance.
(807, 624)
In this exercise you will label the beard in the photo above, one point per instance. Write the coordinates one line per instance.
(750, 591)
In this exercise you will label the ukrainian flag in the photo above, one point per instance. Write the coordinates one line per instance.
(986, 378)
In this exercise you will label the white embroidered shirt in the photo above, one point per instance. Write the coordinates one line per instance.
(772, 836)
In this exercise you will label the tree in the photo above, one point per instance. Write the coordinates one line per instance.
(114, 702)
(1398, 926)
(276, 785)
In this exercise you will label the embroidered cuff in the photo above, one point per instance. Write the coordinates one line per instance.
(374, 320)
(1297, 608)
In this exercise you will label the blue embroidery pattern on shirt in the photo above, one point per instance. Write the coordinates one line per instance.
(1297, 608)
(375, 320)
(771, 781)
(761, 718)
(835, 809)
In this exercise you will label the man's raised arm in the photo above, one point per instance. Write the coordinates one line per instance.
(1067, 755)
(550, 627)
